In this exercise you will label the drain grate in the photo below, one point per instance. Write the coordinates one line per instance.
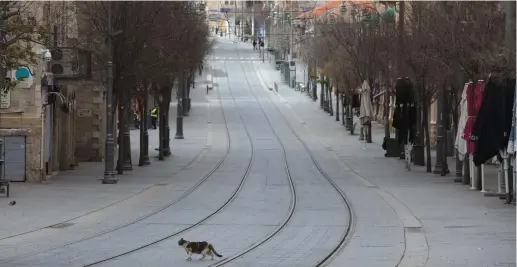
(60, 225)
(162, 184)
(414, 229)
(458, 226)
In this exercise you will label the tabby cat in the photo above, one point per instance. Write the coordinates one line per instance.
(203, 248)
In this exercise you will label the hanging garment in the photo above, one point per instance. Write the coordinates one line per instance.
(404, 117)
(493, 123)
(474, 100)
(411, 110)
(460, 143)
(366, 109)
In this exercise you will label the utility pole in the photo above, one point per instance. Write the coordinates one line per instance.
(109, 167)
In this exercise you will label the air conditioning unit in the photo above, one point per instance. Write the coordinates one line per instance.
(70, 63)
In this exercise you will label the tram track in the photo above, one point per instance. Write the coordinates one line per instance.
(193, 162)
(292, 207)
(200, 222)
(349, 229)
(199, 157)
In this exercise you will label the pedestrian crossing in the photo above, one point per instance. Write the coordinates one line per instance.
(236, 58)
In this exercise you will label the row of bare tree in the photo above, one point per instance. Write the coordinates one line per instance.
(156, 47)
(438, 45)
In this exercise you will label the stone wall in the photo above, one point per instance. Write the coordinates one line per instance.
(89, 120)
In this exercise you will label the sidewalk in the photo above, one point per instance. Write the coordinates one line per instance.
(462, 227)
(297, 100)
(77, 192)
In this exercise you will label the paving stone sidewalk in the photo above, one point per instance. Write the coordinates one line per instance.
(76, 192)
(463, 228)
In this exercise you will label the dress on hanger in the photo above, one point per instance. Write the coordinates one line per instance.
(493, 122)
(460, 142)
(404, 118)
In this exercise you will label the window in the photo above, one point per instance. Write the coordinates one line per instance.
(226, 2)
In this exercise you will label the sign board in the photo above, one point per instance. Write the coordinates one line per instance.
(82, 113)
(23, 78)
(5, 98)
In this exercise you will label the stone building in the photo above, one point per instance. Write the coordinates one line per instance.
(53, 120)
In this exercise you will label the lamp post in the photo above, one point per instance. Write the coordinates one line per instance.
(109, 166)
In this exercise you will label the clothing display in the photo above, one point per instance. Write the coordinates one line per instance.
(460, 142)
(404, 117)
(474, 99)
(366, 109)
(493, 123)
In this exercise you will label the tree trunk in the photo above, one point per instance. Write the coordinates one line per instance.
(337, 105)
(120, 144)
(124, 149)
(144, 134)
(162, 111)
(343, 98)
(331, 112)
(166, 91)
(161, 133)
(186, 98)
(425, 122)
(126, 140)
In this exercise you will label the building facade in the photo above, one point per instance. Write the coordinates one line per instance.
(49, 124)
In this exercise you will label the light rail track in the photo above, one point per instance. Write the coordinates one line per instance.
(348, 231)
(292, 207)
(191, 164)
(225, 204)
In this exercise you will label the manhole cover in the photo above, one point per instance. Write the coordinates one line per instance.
(60, 225)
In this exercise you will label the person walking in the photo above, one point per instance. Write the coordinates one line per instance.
(154, 117)
(136, 120)
(254, 44)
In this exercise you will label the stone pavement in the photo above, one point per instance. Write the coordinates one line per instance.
(460, 226)
(78, 192)
(400, 218)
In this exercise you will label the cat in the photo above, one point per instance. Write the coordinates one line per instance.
(203, 248)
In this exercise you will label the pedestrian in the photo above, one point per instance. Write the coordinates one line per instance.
(254, 44)
(154, 117)
(136, 119)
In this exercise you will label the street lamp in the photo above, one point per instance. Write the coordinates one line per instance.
(109, 167)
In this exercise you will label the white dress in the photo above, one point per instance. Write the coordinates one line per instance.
(460, 143)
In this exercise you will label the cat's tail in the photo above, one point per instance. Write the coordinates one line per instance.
(213, 250)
